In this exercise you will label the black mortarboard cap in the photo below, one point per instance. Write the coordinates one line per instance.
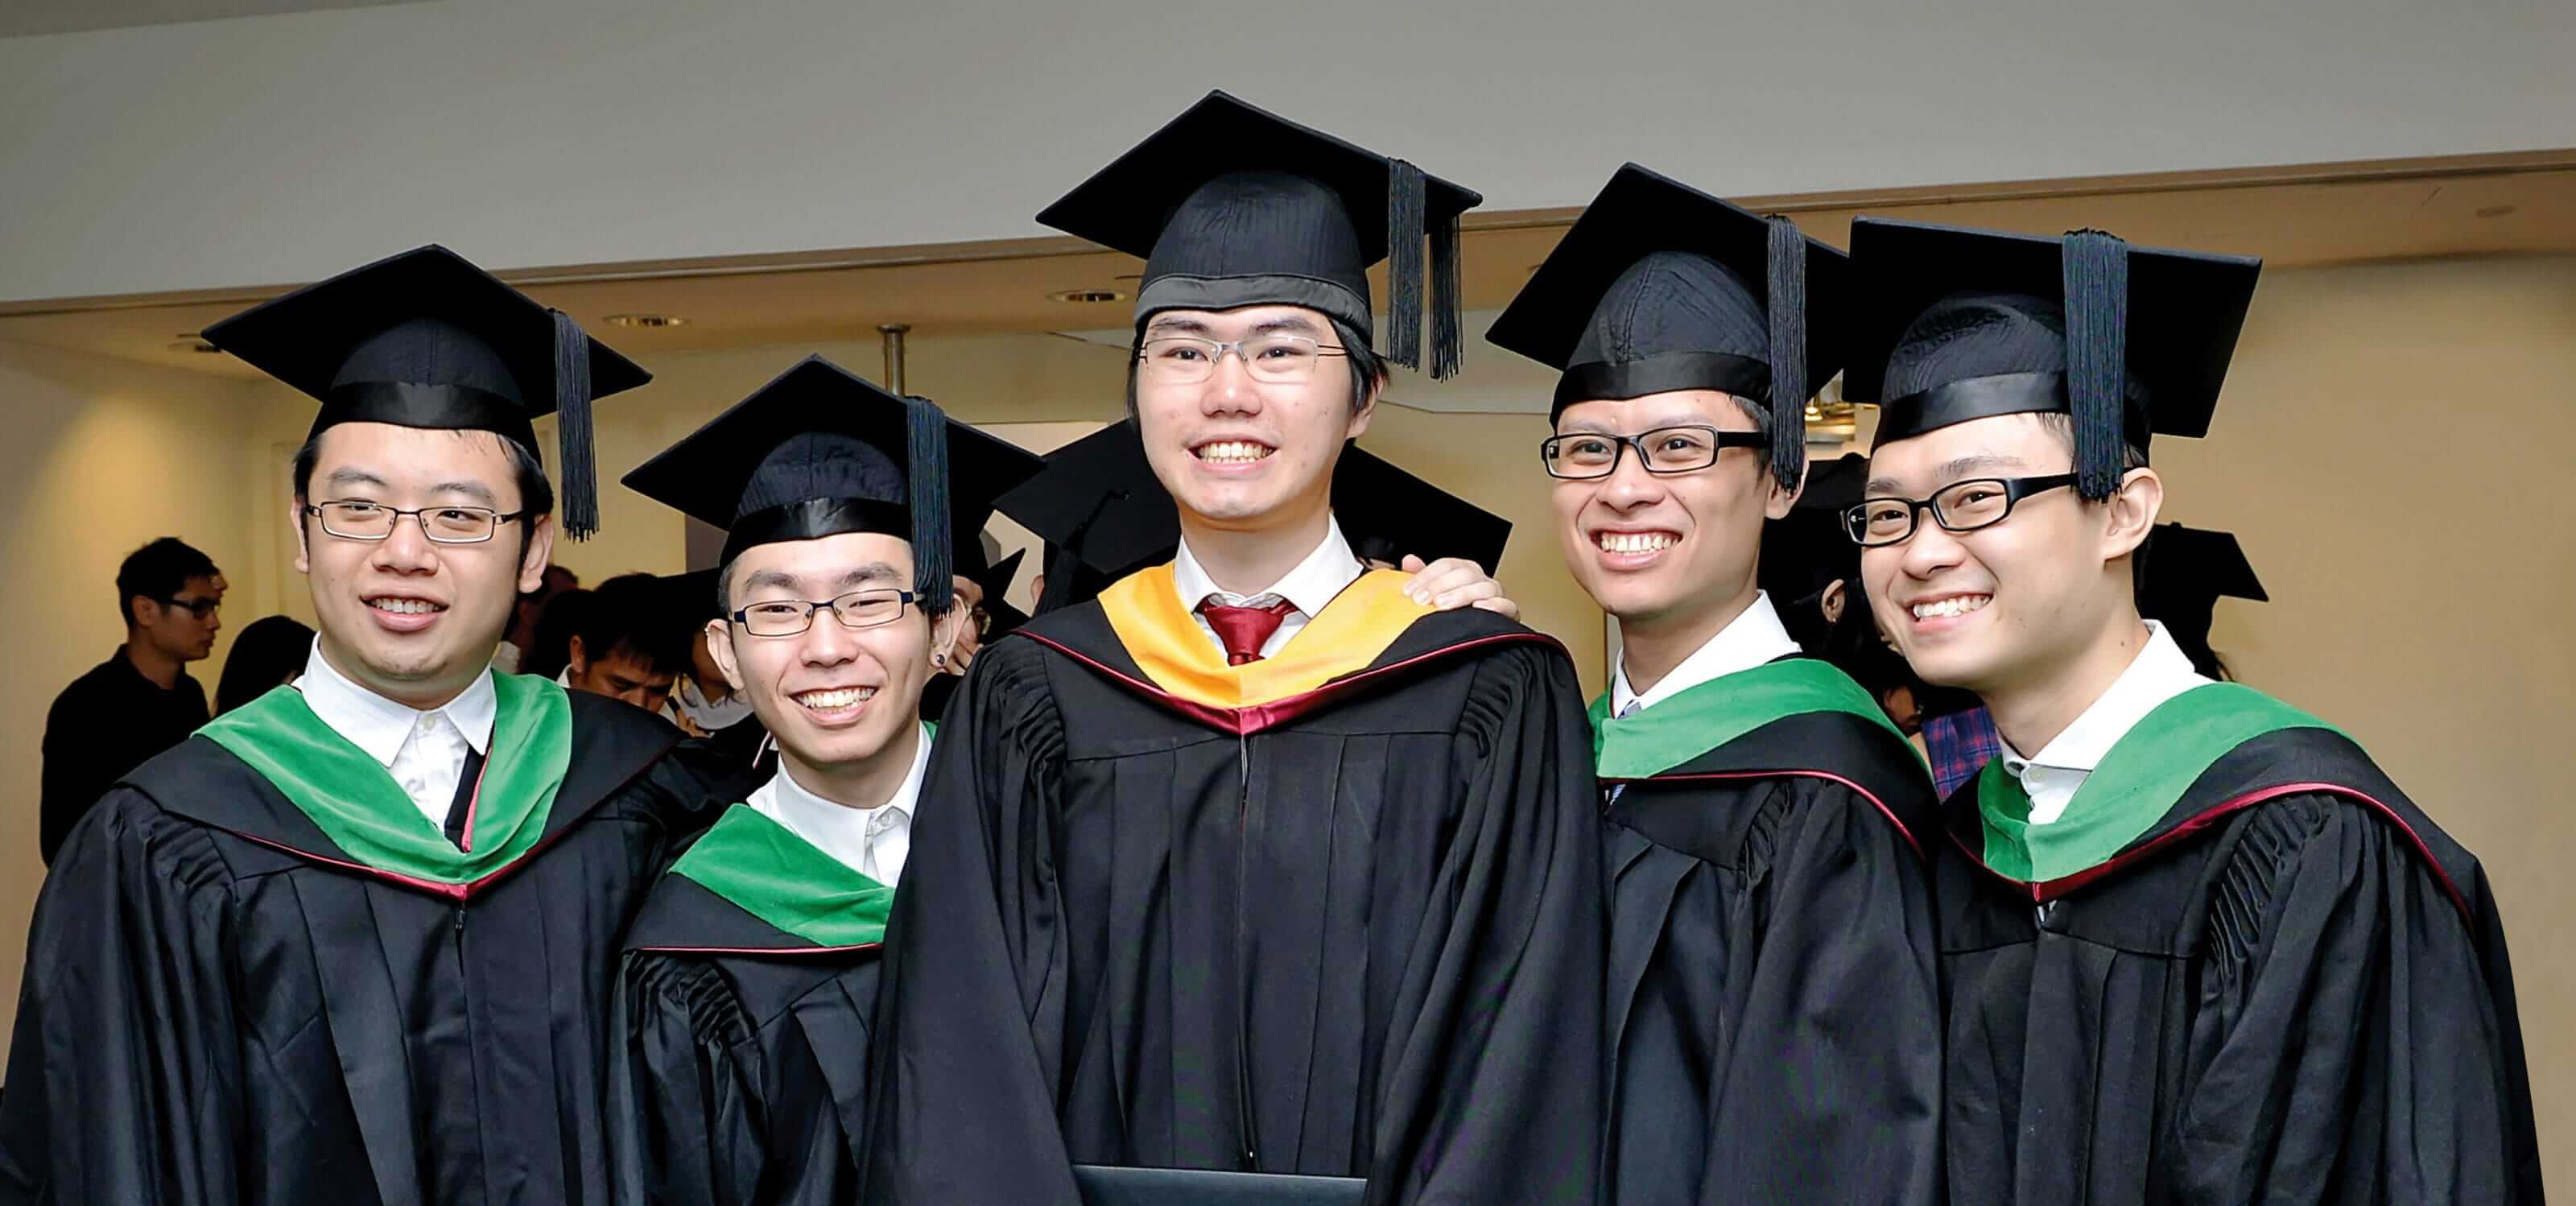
(693, 594)
(1806, 550)
(1955, 324)
(1661, 287)
(1101, 511)
(2183, 573)
(996, 581)
(1388, 514)
(966, 533)
(819, 451)
(426, 339)
(1233, 206)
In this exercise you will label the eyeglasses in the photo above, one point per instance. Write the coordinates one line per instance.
(1979, 502)
(981, 620)
(354, 520)
(200, 608)
(1587, 455)
(857, 609)
(1277, 358)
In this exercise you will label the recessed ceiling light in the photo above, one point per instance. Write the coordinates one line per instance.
(190, 341)
(2496, 211)
(647, 320)
(1086, 297)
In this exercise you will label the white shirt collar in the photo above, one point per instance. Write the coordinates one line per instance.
(2159, 672)
(842, 831)
(1325, 572)
(1748, 640)
(378, 725)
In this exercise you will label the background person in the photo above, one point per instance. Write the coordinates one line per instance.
(141, 700)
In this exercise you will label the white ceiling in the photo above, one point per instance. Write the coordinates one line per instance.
(23, 18)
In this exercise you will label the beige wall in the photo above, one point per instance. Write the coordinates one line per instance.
(96, 457)
(2392, 449)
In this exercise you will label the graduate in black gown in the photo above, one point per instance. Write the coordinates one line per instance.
(2195, 946)
(2183, 573)
(1810, 567)
(1254, 875)
(350, 943)
(749, 978)
(1771, 1006)
(701, 703)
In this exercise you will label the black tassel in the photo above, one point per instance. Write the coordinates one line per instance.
(1446, 355)
(1405, 198)
(2096, 271)
(1787, 303)
(578, 482)
(926, 430)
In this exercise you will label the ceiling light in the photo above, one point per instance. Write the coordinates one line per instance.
(1086, 297)
(2496, 211)
(646, 320)
(190, 341)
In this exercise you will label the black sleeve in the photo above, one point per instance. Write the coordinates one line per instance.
(1831, 1088)
(68, 773)
(1494, 1077)
(123, 1080)
(963, 1110)
(683, 1090)
(2348, 1048)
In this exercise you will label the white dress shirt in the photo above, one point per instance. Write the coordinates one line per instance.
(2159, 672)
(871, 841)
(423, 751)
(1748, 640)
(1326, 572)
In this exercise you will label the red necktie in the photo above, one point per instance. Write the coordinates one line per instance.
(1243, 629)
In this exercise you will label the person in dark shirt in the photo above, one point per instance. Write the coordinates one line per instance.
(141, 700)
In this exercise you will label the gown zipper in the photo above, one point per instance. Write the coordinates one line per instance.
(1242, 958)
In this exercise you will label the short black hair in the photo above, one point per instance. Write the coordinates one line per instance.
(157, 571)
(551, 648)
(270, 651)
(637, 614)
(1368, 369)
(536, 494)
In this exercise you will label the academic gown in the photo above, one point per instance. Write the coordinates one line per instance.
(224, 1003)
(1774, 1016)
(2242, 967)
(1335, 913)
(748, 985)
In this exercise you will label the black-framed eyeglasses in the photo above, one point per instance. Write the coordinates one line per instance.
(1584, 455)
(200, 608)
(356, 519)
(1979, 502)
(1276, 357)
(857, 609)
